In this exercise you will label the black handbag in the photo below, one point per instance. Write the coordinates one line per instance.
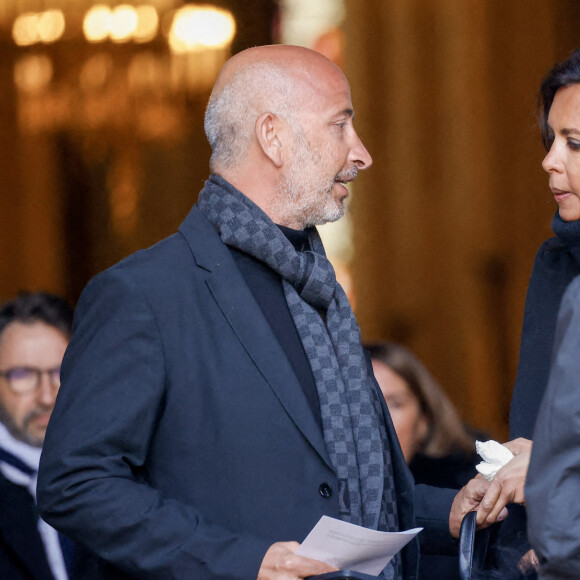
(495, 551)
(472, 547)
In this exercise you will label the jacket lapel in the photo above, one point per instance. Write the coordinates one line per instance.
(249, 325)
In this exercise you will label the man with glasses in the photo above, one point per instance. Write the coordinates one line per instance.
(34, 333)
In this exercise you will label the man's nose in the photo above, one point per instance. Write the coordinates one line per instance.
(46, 392)
(359, 155)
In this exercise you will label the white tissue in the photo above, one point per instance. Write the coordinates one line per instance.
(494, 455)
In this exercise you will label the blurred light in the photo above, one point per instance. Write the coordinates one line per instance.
(95, 72)
(25, 29)
(123, 23)
(198, 27)
(303, 21)
(51, 26)
(33, 73)
(147, 23)
(147, 71)
(97, 23)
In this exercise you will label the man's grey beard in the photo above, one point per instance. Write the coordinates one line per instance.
(302, 197)
(16, 432)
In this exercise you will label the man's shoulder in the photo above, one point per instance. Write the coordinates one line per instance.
(167, 270)
(168, 258)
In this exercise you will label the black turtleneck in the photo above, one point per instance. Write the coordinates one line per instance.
(557, 263)
(266, 286)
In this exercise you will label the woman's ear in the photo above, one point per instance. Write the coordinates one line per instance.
(268, 133)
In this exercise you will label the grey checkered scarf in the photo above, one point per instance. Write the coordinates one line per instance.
(354, 431)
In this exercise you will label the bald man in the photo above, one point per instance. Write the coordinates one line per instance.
(216, 400)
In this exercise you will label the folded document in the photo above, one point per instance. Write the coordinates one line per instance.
(348, 546)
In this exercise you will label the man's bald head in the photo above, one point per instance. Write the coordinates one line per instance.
(275, 78)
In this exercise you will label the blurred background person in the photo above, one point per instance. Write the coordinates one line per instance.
(438, 447)
(34, 333)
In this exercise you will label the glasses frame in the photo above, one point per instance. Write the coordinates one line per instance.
(55, 383)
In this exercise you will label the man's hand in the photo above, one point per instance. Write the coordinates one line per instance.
(508, 484)
(281, 563)
(468, 499)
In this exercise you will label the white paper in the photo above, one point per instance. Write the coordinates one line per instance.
(351, 547)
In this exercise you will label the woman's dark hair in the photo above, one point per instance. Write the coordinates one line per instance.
(447, 433)
(30, 307)
(562, 74)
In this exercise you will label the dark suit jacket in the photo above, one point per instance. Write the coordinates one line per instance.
(181, 444)
(22, 555)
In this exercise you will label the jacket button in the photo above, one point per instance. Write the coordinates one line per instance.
(325, 490)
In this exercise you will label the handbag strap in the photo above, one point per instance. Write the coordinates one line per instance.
(467, 545)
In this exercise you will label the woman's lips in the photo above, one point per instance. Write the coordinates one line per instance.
(560, 195)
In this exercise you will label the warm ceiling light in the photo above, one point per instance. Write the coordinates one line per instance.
(51, 26)
(197, 27)
(25, 29)
(123, 23)
(97, 23)
(147, 23)
(33, 73)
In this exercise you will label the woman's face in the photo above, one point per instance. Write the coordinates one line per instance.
(563, 159)
(404, 407)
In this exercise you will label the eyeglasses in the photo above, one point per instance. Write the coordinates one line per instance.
(24, 380)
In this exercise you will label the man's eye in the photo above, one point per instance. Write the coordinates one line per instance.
(574, 145)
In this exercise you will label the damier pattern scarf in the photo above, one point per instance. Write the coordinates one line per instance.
(354, 431)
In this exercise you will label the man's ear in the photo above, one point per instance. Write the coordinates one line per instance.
(268, 133)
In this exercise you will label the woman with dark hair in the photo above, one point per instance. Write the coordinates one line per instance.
(557, 262)
(437, 446)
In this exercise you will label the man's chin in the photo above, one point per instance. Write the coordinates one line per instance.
(35, 439)
(32, 437)
(337, 212)
(33, 432)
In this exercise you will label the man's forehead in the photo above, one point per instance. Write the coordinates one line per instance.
(30, 338)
